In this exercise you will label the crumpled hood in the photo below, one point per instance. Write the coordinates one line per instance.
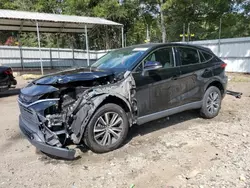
(72, 75)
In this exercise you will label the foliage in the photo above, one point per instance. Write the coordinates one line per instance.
(160, 16)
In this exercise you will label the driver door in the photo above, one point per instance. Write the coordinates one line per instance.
(165, 87)
(158, 89)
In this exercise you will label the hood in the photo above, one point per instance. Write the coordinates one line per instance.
(73, 75)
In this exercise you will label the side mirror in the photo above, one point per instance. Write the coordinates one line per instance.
(151, 65)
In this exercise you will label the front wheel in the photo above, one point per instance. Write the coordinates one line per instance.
(107, 130)
(211, 103)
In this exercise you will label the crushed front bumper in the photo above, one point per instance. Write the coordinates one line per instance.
(36, 138)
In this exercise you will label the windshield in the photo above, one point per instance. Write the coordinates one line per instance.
(119, 59)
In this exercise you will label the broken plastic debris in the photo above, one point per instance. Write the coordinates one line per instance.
(242, 178)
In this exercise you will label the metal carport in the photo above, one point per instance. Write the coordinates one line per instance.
(12, 20)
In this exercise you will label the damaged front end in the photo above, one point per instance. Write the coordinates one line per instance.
(55, 115)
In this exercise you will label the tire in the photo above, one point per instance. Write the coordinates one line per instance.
(107, 129)
(211, 103)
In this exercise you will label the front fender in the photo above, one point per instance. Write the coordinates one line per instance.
(86, 112)
(93, 98)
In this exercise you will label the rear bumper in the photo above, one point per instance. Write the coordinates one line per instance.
(36, 139)
(8, 83)
(4, 87)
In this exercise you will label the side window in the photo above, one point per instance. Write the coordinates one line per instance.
(205, 56)
(188, 56)
(163, 56)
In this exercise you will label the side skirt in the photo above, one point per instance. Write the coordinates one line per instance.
(168, 112)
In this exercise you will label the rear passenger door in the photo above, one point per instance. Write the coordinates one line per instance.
(194, 73)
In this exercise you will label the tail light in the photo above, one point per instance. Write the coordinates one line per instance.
(8, 72)
(223, 65)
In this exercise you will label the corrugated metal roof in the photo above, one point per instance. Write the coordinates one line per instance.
(12, 20)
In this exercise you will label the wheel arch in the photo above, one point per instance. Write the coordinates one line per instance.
(217, 83)
(120, 101)
(97, 102)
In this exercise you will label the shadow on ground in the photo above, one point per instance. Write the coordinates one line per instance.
(163, 123)
(9, 92)
(9, 142)
(137, 130)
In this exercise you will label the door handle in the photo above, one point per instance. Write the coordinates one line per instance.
(175, 77)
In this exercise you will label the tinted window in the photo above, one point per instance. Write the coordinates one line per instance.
(202, 58)
(207, 56)
(163, 56)
(188, 56)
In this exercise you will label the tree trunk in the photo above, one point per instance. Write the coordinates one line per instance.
(107, 42)
(163, 28)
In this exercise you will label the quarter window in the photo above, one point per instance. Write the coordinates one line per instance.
(206, 56)
(188, 56)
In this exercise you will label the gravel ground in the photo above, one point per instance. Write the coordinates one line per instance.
(183, 150)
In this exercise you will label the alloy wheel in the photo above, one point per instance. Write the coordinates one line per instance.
(213, 102)
(108, 128)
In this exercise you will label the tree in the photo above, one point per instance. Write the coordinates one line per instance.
(125, 13)
(164, 19)
(163, 27)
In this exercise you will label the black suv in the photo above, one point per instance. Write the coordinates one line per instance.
(97, 105)
(7, 80)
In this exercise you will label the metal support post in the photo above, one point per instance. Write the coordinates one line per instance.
(87, 43)
(39, 45)
(122, 36)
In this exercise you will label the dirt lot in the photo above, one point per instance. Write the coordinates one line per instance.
(181, 151)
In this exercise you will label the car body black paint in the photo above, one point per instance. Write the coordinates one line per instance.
(73, 96)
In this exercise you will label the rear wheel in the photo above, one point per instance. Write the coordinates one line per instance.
(107, 129)
(211, 103)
